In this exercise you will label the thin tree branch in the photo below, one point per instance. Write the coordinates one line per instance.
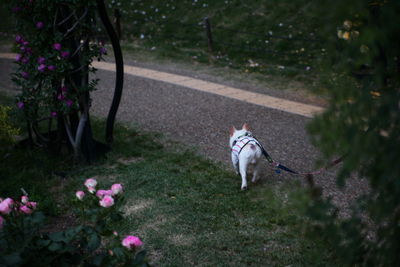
(76, 23)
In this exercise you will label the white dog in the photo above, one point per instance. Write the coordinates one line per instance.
(246, 151)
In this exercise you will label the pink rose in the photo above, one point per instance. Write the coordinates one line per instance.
(42, 67)
(69, 102)
(51, 67)
(1, 222)
(80, 195)
(57, 46)
(102, 193)
(25, 209)
(60, 97)
(19, 39)
(24, 199)
(18, 57)
(20, 104)
(91, 190)
(116, 189)
(53, 114)
(6, 205)
(65, 54)
(131, 242)
(107, 201)
(25, 75)
(32, 205)
(40, 25)
(90, 182)
(41, 60)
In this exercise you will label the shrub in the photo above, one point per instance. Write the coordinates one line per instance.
(93, 243)
(363, 123)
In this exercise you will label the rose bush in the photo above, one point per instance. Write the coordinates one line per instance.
(55, 47)
(92, 243)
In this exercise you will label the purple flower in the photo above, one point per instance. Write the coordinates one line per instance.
(18, 39)
(18, 57)
(53, 114)
(65, 54)
(20, 104)
(41, 60)
(25, 60)
(60, 97)
(69, 102)
(64, 89)
(57, 46)
(40, 25)
(23, 48)
(28, 50)
(103, 50)
(42, 67)
(51, 67)
(16, 9)
(25, 43)
(25, 75)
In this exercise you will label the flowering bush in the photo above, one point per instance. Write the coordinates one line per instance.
(93, 243)
(55, 50)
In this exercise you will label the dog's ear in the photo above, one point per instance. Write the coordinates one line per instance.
(232, 130)
(246, 127)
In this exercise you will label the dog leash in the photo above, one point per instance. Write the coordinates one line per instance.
(280, 166)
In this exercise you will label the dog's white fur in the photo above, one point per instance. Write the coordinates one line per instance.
(250, 155)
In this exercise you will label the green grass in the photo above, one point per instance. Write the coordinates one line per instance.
(188, 210)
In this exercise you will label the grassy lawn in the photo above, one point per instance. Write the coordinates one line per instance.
(187, 210)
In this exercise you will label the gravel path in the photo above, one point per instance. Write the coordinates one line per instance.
(202, 120)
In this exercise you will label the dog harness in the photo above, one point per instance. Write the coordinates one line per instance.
(241, 142)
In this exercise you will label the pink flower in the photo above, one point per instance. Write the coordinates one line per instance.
(25, 60)
(1, 222)
(91, 190)
(116, 189)
(25, 43)
(41, 60)
(107, 201)
(69, 102)
(51, 67)
(25, 75)
(18, 57)
(90, 182)
(40, 25)
(65, 54)
(80, 194)
(20, 104)
(25, 209)
(19, 39)
(60, 97)
(6, 206)
(57, 46)
(32, 205)
(24, 199)
(42, 67)
(103, 51)
(131, 242)
(102, 193)
(53, 114)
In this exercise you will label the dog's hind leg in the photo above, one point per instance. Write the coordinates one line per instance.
(255, 172)
(242, 169)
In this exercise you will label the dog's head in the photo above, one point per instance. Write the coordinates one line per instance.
(237, 133)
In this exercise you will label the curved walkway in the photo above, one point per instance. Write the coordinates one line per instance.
(209, 87)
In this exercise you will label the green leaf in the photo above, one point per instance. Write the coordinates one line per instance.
(55, 246)
(94, 242)
(13, 259)
(58, 236)
(140, 259)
